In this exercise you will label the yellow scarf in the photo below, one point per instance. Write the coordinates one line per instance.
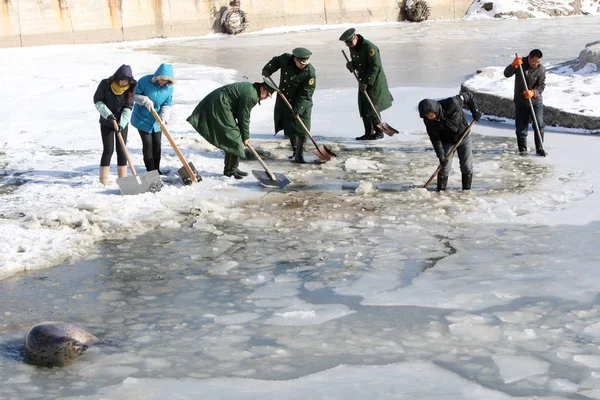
(118, 90)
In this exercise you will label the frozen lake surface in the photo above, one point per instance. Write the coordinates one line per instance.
(323, 291)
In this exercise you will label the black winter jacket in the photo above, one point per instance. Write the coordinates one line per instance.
(450, 122)
(116, 104)
(536, 81)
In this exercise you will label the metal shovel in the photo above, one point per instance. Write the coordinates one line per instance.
(188, 172)
(321, 151)
(136, 184)
(267, 178)
(384, 126)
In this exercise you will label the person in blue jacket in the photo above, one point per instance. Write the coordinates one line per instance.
(153, 92)
(114, 101)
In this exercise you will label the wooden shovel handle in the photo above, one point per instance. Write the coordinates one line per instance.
(165, 131)
(449, 155)
(363, 91)
(120, 137)
(260, 160)
(292, 110)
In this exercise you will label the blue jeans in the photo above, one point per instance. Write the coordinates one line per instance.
(523, 117)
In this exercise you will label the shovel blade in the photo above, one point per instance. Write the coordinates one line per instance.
(387, 129)
(148, 182)
(185, 177)
(323, 153)
(265, 180)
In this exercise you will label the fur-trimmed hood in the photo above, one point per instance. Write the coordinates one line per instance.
(164, 72)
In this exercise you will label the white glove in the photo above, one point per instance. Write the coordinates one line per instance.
(144, 101)
(165, 114)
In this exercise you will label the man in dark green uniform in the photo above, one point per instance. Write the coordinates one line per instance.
(297, 83)
(366, 61)
(223, 119)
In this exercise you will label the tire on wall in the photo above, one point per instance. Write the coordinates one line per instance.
(234, 21)
(419, 11)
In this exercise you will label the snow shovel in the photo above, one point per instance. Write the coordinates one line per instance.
(384, 126)
(449, 155)
(535, 121)
(188, 172)
(136, 184)
(266, 177)
(321, 151)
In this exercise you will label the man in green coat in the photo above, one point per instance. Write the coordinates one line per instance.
(297, 83)
(366, 61)
(223, 119)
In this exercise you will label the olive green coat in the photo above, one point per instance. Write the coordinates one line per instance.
(298, 86)
(367, 62)
(223, 117)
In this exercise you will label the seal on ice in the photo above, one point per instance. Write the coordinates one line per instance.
(55, 344)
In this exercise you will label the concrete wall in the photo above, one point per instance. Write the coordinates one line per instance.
(39, 22)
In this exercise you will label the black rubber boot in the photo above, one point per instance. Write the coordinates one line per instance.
(149, 164)
(466, 181)
(539, 146)
(231, 164)
(442, 182)
(369, 129)
(299, 154)
(522, 143)
(293, 144)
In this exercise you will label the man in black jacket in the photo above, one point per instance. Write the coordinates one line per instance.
(445, 123)
(535, 75)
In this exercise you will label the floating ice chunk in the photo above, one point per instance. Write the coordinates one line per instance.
(592, 330)
(237, 318)
(308, 314)
(365, 187)
(514, 368)
(591, 361)
(562, 385)
(359, 165)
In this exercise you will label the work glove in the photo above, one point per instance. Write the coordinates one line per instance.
(476, 115)
(363, 87)
(266, 73)
(349, 66)
(146, 102)
(528, 94)
(517, 61)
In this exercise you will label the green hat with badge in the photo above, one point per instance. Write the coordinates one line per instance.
(269, 85)
(348, 35)
(302, 55)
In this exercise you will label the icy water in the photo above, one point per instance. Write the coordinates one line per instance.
(296, 286)
(321, 274)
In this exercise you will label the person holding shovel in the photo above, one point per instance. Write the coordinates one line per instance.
(153, 92)
(297, 83)
(366, 61)
(535, 76)
(114, 101)
(223, 119)
(445, 123)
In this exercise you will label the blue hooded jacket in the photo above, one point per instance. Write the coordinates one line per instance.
(160, 96)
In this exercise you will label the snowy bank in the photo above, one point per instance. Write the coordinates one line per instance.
(571, 97)
(482, 9)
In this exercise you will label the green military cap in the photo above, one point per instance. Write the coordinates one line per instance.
(302, 54)
(348, 35)
(269, 85)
